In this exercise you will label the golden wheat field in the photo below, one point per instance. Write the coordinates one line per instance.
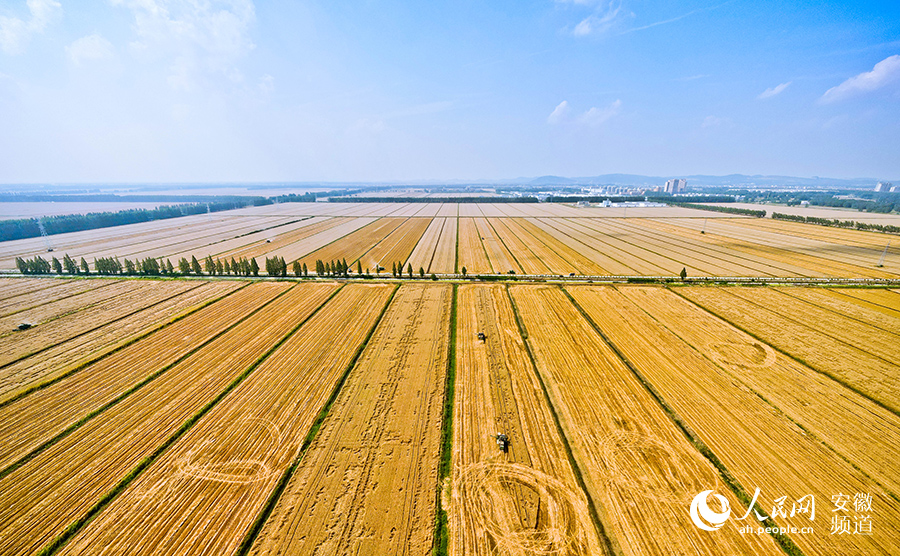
(539, 405)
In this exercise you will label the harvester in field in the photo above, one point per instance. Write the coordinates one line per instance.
(481, 336)
(502, 442)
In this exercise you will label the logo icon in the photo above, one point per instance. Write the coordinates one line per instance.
(704, 517)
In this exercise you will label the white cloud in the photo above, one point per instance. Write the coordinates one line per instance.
(773, 91)
(884, 73)
(196, 37)
(598, 116)
(559, 113)
(15, 32)
(605, 16)
(91, 47)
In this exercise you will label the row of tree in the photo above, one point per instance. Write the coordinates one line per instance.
(275, 266)
(886, 228)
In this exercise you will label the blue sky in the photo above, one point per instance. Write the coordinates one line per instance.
(211, 90)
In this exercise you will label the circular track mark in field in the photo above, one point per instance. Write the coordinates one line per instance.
(201, 463)
(646, 467)
(491, 495)
(740, 354)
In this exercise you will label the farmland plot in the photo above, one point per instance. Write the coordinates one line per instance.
(886, 299)
(530, 263)
(543, 246)
(101, 290)
(854, 426)
(444, 261)
(758, 446)
(57, 360)
(881, 343)
(367, 483)
(204, 493)
(500, 502)
(60, 484)
(423, 253)
(397, 246)
(640, 470)
(42, 296)
(353, 245)
(561, 246)
(869, 374)
(471, 251)
(14, 287)
(293, 251)
(38, 417)
(502, 261)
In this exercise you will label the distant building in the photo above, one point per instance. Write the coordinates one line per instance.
(884, 186)
(675, 186)
(804, 204)
(583, 204)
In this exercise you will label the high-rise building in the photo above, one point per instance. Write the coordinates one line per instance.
(675, 186)
(883, 186)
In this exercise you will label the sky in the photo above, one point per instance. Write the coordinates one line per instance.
(148, 91)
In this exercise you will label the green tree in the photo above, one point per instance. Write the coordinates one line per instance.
(129, 267)
(359, 267)
(226, 266)
(220, 269)
(57, 266)
(184, 266)
(409, 270)
(463, 271)
(298, 270)
(254, 267)
(235, 269)
(394, 270)
(305, 272)
(683, 273)
(210, 265)
(195, 266)
(283, 267)
(421, 272)
(169, 268)
(84, 266)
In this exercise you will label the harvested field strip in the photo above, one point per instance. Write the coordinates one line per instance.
(682, 252)
(62, 290)
(855, 427)
(423, 254)
(43, 414)
(502, 261)
(13, 287)
(449, 209)
(638, 467)
(472, 255)
(543, 246)
(586, 260)
(498, 500)
(739, 427)
(354, 245)
(398, 246)
(283, 237)
(444, 261)
(879, 343)
(55, 362)
(65, 482)
(141, 294)
(37, 316)
(587, 241)
(854, 238)
(527, 259)
(883, 319)
(869, 375)
(299, 248)
(816, 256)
(366, 485)
(886, 299)
(216, 478)
(470, 210)
(728, 247)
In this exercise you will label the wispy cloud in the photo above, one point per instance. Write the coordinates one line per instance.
(598, 116)
(605, 14)
(885, 72)
(15, 32)
(559, 113)
(91, 47)
(196, 38)
(774, 91)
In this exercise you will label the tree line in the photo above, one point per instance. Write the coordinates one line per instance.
(149, 266)
(886, 228)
